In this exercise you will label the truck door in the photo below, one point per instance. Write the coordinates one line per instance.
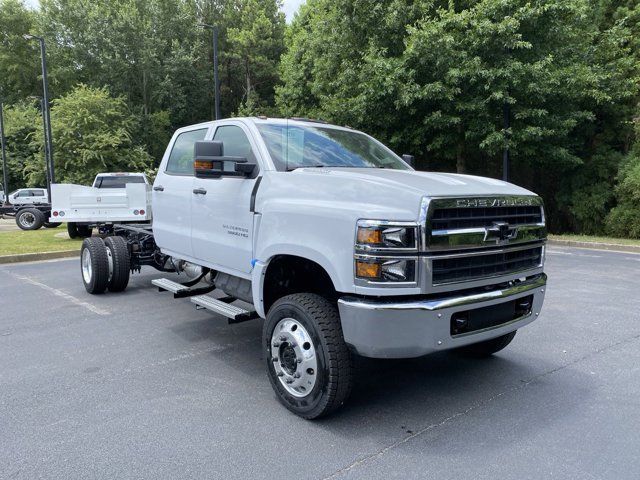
(171, 195)
(222, 223)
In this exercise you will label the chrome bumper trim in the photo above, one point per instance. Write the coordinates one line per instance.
(451, 302)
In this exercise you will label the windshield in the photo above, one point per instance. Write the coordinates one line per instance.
(117, 181)
(298, 146)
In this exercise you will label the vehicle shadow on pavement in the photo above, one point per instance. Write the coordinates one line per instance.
(411, 395)
(505, 395)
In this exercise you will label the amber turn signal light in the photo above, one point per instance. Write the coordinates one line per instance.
(368, 236)
(368, 270)
(202, 165)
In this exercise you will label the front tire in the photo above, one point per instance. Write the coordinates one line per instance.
(307, 359)
(30, 219)
(94, 265)
(488, 347)
(118, 256)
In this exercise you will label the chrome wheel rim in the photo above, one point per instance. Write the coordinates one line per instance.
(110, 262)
(87, 270)
(27, 219)
(294, 357)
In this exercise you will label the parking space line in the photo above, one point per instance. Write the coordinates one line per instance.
(61, 294)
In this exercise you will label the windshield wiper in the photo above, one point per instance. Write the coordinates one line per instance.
(319, 165)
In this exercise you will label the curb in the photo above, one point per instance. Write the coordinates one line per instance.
(593, 246)
(32, 257)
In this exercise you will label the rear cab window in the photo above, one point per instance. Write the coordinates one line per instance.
(117, 181)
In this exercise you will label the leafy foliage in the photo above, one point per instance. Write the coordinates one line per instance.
(22, 120)
(93, 135)
(434, 78)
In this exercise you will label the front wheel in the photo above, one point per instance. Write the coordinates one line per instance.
(309, 364)
(488, 347)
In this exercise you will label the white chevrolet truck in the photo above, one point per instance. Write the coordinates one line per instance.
(338, 244)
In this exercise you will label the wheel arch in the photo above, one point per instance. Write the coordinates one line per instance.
(284, 274)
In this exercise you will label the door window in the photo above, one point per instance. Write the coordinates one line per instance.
(181, 156)
(235, 144)
(37, 193)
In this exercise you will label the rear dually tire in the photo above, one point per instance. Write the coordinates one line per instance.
(94, 265)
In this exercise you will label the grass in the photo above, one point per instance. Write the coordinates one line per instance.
(596, 239)
(36, 241)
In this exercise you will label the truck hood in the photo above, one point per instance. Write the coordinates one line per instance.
(423, 183)
(370, 192)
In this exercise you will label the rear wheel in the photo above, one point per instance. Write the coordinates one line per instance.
(119, 263)
(309, 364)
(84, 231)
(488, 347)
(52, 224)
(30, 219)
(72, 230)
(94, 265)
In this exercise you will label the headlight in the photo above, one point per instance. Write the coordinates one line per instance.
(378, 235)
(386, 269)
(383, 253)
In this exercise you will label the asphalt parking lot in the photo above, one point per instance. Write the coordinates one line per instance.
(138, 385)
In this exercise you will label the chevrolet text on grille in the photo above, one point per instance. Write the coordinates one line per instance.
(494, 202)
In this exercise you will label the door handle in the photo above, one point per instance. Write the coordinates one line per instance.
(159, 188)
(199, 191)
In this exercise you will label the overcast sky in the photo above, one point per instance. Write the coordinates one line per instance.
(290, 6)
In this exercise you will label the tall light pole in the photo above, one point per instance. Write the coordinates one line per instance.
(47, 117)
(216, 86)
(505, 154)
(5, 179)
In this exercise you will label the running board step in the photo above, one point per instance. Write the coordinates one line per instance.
(233, 313)
(178, 289)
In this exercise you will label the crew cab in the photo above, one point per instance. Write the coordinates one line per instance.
(28, 196)
(338, 243)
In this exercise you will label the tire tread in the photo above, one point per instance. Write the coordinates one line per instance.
(121, 263)
(339, 361)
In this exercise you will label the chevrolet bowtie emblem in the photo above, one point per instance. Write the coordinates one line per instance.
(500, 232)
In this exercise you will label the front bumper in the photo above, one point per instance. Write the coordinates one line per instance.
(382, 329)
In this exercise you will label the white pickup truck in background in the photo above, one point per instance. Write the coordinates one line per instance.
(113, 197)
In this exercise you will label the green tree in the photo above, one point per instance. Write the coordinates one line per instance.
(22, 121)
(624, 218)
(92, 134)
(19, 61)
(433, 78)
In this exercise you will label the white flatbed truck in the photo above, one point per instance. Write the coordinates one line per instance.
(338, 244)
(113, 198)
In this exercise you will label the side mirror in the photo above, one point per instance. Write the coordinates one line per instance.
(210, 162)
(410, 159)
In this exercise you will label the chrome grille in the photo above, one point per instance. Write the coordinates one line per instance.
(476, 239)
(492, 264)
(458, 218)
